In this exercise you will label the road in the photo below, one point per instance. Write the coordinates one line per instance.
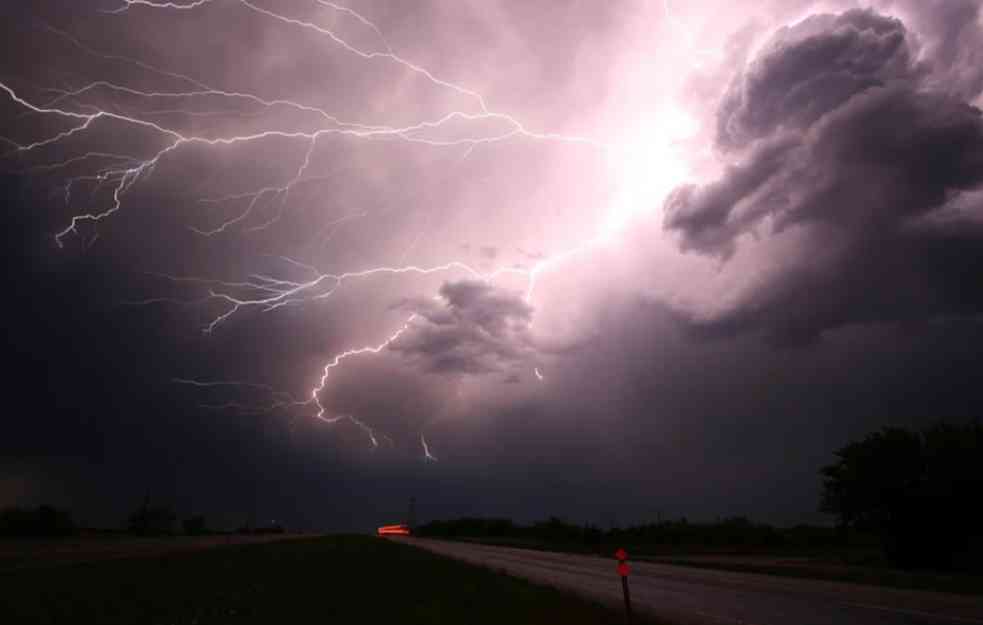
(689, 595)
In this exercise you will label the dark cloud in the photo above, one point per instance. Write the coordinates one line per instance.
(472, 328)
(710, 215)
(811, 68)
(845, 142)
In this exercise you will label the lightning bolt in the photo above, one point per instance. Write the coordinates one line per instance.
(316, 391)
(120, 173)
(429, 457)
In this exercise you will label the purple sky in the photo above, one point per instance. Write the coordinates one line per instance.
(602, 260)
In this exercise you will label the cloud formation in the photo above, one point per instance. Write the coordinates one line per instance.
(472, 327)
(810, 69)
(847, 194)
(841, 142)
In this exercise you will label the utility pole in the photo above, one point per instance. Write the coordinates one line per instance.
(411, 517)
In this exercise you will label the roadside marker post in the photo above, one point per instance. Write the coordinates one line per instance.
(623, 570)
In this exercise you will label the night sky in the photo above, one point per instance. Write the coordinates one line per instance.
(299, 260)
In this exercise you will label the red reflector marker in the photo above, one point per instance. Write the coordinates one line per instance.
(623, 571)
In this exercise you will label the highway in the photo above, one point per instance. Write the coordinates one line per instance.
(687, 595)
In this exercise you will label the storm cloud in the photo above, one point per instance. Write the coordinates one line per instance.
(552, 255)
(472, 328)
(845, 145)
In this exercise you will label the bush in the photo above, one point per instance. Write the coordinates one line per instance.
(40, 521)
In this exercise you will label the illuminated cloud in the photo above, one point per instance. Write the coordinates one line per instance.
(473, 328)
(809, 69)
(848, 148)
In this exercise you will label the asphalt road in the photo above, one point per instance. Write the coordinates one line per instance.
(700, 596)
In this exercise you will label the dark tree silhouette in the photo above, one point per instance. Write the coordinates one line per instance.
(872, 478)
(918, 490)
(149, 521)
(40, 521)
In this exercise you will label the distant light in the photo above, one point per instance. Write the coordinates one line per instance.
(394, 530)
(646, 162)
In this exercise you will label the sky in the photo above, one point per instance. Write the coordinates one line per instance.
(300, 261)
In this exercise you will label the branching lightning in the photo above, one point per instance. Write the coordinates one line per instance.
(120, 173)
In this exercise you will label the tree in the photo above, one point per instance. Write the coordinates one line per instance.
(148, 520)
(40, 521)
(917, 490)
(872, 478)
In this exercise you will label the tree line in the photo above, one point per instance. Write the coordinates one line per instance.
(907, 497)
(732, 535)
(146, 520)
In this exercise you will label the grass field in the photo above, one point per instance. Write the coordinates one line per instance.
(335, 579)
